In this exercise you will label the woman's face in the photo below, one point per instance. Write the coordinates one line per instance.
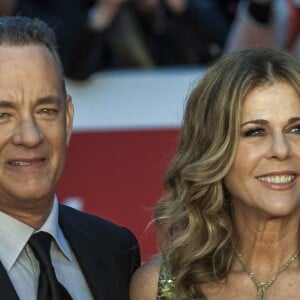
(264, 176)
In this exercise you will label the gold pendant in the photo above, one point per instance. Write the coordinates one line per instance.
(261, 292)
(262, 286)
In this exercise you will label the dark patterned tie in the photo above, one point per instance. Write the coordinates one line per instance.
(49, 287)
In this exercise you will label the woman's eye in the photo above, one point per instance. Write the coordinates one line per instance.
(4, 115)
(254, 132)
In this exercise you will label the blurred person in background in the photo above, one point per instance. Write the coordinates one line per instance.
(266, 23)
(180, 32)
(82, 28)
(94, 35)
(7, 7)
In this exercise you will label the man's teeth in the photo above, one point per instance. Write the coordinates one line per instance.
(282, 179)
(20, 163)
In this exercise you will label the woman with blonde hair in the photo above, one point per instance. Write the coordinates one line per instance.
(228, 222)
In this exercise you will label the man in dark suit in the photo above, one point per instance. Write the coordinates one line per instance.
(92, 258)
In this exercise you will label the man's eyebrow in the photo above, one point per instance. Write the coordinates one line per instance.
(52, 99)
(49, 100)
(294, 120)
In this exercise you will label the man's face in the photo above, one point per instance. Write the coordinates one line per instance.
(35, 126)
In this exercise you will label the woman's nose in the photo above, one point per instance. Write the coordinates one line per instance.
(280, 147)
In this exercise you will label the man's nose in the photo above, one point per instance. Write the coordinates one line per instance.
(27, 133)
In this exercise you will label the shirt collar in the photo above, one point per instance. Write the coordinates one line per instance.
(15, 234)
(51, 226)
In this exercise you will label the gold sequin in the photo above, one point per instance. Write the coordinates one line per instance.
(165, 284)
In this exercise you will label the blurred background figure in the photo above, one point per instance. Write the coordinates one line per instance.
(176, 32)
(7, 7)
(95, 35)
(82, 28)
(266, 23)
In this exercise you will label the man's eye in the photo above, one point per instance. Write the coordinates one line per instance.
(254, 132)
(295, 129)
(48, 111)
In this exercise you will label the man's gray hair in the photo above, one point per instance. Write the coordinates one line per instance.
(22, 31)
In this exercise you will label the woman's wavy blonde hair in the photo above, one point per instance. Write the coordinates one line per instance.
(193, 218)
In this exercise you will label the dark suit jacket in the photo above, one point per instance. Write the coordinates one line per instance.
(107, 254)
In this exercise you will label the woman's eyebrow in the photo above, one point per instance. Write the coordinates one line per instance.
(256, 121)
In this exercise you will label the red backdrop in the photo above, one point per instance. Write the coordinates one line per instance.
(118, 175)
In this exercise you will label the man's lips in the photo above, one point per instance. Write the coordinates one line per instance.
(25, 162)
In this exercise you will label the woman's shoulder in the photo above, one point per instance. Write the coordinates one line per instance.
(145, 279)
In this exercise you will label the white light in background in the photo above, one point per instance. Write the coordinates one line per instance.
(75, 202)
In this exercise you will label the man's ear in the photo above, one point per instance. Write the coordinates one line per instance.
(69, 118)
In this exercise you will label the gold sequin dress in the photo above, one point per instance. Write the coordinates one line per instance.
(165, 283)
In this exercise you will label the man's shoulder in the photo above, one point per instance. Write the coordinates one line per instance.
(102, 239)
(93, 224)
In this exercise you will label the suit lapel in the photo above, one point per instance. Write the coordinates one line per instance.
(97, 264)
(7, 291)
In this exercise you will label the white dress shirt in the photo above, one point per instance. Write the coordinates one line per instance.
(22, 266)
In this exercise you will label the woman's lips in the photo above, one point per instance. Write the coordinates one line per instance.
(278, 180)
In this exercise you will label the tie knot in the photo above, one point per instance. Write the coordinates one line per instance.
(40, 244)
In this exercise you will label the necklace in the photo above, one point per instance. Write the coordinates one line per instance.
(262, 286)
